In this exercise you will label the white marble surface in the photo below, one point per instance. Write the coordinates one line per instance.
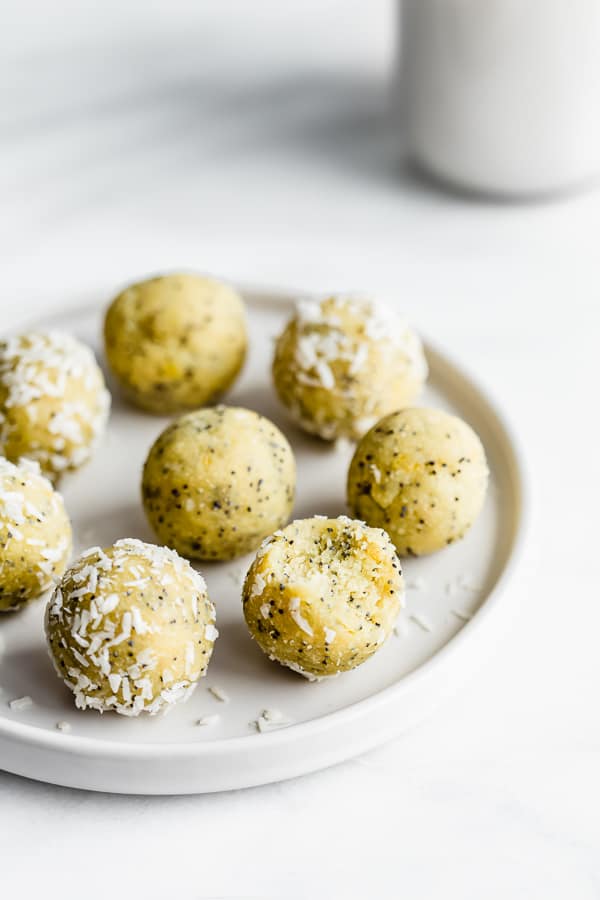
(251, 140)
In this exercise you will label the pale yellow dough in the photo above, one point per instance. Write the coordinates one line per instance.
(343, 362)
(130, 628)
(35, 534)
(53, 401)
(422, 475)
(175, 342)
(217, 481)
(323, 595)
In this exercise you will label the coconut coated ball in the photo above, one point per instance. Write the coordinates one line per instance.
(175, 342)
(217, 481)
(422, 475)
(35, 534)
(130, 628)
(53, 401)
(323, 594)
(343, 362)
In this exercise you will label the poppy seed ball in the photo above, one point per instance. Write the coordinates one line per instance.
(175, 342)
(322, 595)
(422, 475)
(217, 481)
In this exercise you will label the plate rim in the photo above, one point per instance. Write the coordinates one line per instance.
(41, 738)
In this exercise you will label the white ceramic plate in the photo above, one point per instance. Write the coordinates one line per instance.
(332, 719)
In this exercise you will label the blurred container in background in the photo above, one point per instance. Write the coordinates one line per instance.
(503, 96)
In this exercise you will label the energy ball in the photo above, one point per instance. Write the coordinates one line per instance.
(422, 475)
(35, 534)
(344, 362)
(53, 401)
(175, 342)
(323, 594)
(217, 481)
(130, 628)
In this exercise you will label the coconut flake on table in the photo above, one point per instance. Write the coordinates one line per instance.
(451, 588)
(211, 719)
(271, 719)
(469, 583)
(421, 621)
(21, 703)
(462, 614)
(416, 584)
(401, 628)
(218, 693)
(63, 726)
(461, 584)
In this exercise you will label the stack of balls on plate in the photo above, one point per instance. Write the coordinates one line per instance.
(131, 627)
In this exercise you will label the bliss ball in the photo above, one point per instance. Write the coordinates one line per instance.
(217, 481)
(422, 475)
(53, 401)
(35, 534)
(130, 628)
(175, 342)
(323, 595)
(343, 362)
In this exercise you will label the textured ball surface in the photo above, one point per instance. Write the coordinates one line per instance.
(53, 401)
(35, 534)
(175, 342)
(343, 362)
(323, 594)
(130, 628)
(217, 481)
(422, 475)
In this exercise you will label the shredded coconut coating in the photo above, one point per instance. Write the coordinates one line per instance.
(53, 401)
(35, 534)
(322, 595)
(343, 362)
(130, 628)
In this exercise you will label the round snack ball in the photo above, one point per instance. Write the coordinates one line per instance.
(323, 594)
(343, 362)
(175, 342)
(217, 481)
(422, 475)
(35, 534)
(53, 401)
(130, 628)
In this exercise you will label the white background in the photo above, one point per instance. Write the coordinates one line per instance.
(253, 140)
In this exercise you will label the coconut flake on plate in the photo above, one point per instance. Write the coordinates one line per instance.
(21, 703)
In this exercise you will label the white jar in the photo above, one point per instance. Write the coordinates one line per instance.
(503, 96)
